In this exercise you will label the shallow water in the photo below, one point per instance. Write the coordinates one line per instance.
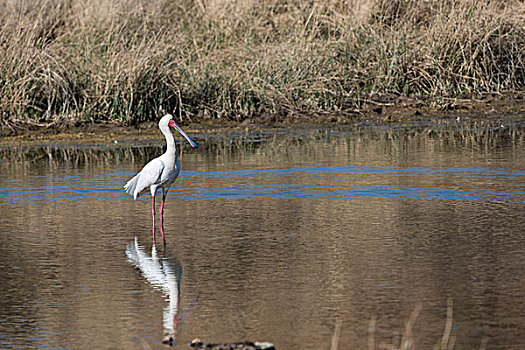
(272, 236)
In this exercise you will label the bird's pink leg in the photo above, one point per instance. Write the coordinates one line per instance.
(161, 211)
(153, 215)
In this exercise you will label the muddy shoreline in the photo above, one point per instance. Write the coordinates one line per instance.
(387, 111)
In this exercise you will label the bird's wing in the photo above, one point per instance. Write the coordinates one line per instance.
(149, 175)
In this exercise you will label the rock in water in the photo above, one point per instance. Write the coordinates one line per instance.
(243, 345)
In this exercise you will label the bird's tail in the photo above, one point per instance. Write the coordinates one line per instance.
(131, 185)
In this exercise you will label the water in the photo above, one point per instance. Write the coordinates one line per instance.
(271, 236)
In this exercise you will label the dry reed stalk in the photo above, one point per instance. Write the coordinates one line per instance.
(371, 332)
(407, 341)
(448, 325)
(483, 344)
(337, 332)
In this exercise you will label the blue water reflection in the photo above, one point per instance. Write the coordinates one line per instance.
(315, 181)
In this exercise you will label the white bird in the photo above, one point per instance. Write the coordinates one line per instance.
(159, 172)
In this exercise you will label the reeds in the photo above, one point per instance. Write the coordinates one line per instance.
(71, 61)
(408, 341)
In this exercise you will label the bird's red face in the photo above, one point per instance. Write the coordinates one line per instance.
(177, 127)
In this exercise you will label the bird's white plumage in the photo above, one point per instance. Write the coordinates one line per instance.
(159, 172)
(162, 171)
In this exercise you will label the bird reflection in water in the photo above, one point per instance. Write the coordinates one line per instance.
(164, 273)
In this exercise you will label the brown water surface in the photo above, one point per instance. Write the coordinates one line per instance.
(275, 236)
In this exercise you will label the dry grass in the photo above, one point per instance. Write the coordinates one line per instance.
(70, 61)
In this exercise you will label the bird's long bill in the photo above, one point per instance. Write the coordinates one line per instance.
(177, 127)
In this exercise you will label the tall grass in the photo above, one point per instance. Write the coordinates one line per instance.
(71, 61)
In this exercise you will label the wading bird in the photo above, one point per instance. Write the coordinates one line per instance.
(159, 172)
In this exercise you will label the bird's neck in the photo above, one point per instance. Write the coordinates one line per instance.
(171, 147)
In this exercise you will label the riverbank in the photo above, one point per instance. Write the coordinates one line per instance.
(70, 63)
(489, 110)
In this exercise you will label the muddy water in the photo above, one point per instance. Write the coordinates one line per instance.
(273, 236)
